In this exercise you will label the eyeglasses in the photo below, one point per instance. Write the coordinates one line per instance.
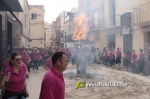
(19, 59)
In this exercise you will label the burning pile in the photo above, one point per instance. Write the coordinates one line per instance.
(82, 27)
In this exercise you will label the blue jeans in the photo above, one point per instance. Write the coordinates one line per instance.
(15, 97)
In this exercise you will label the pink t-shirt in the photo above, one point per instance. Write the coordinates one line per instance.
(118, 53)
(25, 59)
(111, 55)
(33, 56)
(45, 53)
(38, 57)
(53, 86)
(104, 53)
(141, 56)
(17, 81)
(48, 63)
(133, 58)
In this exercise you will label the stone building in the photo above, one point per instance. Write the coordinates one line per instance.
(37, 27)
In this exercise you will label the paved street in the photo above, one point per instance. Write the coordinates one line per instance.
(34, 83)
(138, 86)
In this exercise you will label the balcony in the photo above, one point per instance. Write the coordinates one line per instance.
(142, 14)
(10, 5)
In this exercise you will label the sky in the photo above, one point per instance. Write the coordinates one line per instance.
(54, 7)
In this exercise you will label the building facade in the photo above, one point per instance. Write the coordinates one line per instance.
(63, 29)
(37, 27)
(25, 19)
(123, 24)
(114, 23)
(9, 14)
(48, 34)
(70, 27)
(56, 32)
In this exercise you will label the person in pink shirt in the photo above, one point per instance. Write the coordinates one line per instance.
(33, 58)
(105, 56)
(38, 58)
(133, 61)
(14, 79)
(26, 60)
(5, 63)
(21, 52)
(42, 57)
(127, 59)
(141, 61)
(48, 64)
(53, 85)
(118, 58)
(111, 57)
(45, 55)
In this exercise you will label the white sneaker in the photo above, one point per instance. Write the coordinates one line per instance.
(148, 76)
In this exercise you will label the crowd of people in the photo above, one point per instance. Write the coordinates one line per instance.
(17, 67)
(111, 57)
(132, 59)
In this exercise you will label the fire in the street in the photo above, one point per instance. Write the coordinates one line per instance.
(82, 27)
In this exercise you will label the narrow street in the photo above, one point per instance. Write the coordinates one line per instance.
(34, 83)
(138, 86)
(89, 31)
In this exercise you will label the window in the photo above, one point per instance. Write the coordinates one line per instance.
(95, 19)
(33, 16)
(62, 35)
(25, 20)
(66, 17)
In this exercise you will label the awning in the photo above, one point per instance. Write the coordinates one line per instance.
(10, 5)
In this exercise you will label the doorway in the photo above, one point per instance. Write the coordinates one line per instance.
(111, 41)
(127, 43)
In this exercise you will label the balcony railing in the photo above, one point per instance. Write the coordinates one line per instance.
(142, 13)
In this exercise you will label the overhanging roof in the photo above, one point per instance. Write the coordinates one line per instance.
(13, 5)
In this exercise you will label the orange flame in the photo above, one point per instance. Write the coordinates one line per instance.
(81, 27)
